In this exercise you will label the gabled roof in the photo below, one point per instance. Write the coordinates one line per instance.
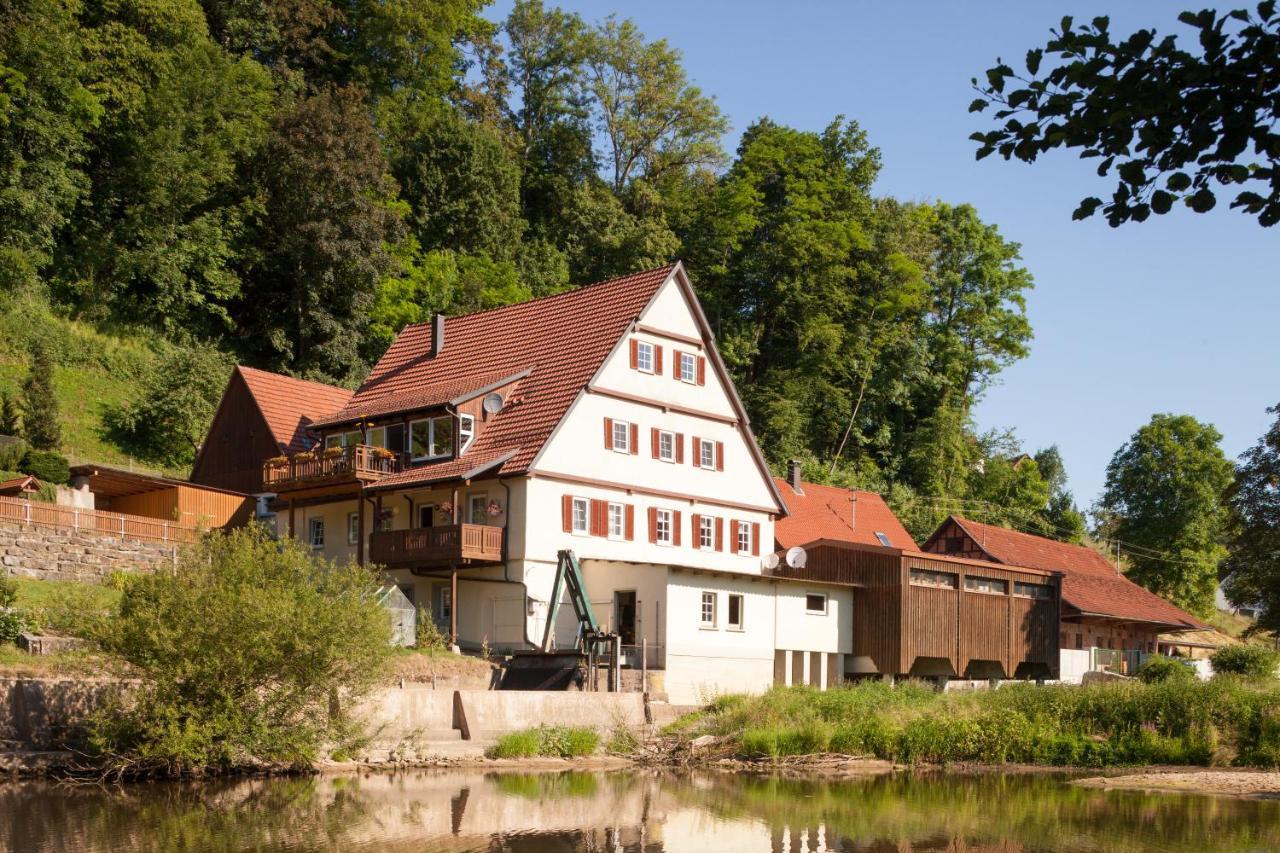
(560, 340)
(827, 512)
(289, 405)
(20, 485)
(1090, 584)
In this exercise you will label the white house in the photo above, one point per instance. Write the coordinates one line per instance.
(601, 420)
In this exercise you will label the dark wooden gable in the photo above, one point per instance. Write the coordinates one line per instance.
(237, 444)
(952, 539)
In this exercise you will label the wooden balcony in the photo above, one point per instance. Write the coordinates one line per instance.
(359, 463)
(437, 547)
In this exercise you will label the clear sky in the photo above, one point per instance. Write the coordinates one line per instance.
(1177, 314)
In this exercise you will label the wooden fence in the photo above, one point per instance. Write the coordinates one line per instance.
(119, 524)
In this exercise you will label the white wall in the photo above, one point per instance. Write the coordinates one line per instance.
(1073, 664)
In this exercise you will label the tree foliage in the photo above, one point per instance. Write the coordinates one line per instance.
(1173, 124)
(1164, 499)
(39, 403)
(1252, 572)
(236, 655)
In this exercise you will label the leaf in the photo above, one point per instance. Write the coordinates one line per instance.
(995, 79)
(1033, 61)
(1086, 208)
(1161, 201)
(1178, 181)
(978, 105)
(1202, 201)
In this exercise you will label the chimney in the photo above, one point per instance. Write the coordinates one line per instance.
(437, 336)
(793, 476)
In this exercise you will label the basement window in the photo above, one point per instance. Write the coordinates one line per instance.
(991, 586)
(815, 602)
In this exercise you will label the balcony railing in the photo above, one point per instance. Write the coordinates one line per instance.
(452, 544)
(359, 462)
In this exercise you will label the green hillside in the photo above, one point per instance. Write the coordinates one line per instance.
(97, 371)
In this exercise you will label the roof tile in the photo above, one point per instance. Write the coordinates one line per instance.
(290, 405)
(827, 512)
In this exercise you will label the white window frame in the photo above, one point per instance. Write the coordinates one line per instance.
(707, 532)
(742, 532)
(353, 528)
(585, 504)
(483, 497)
(709, 601)
(706, 454)
(617, 528)
(314, 526)
(466, 432)
(431, 437)
(728, 612)
(664, 518)
(688, 358)
(825, 603)
(645, 351)
(625, 446)
(667, 453)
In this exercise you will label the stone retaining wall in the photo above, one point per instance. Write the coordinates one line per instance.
(47, 553)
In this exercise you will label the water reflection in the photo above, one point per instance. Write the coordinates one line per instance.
(586, 813)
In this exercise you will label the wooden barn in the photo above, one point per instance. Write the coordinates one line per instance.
(261, 416)
(918, 614)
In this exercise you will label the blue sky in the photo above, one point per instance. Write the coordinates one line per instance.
(1176, 314)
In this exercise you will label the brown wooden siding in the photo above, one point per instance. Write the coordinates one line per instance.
(187, 505)
(238, 442)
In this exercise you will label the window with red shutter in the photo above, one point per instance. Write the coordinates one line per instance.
(695, 527)
(679, 448)
(755, 538)
(631, 522)
(608, 433)
(566, 512)
(702, 371)
(635, 354)
(654, 434)
(599, 518)
(635, 440)
(676, 356)
(719, 534)
(675, 528)
(657, 360)
(719, 455)
(653, 525)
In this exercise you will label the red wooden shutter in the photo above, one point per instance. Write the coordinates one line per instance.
(695, 455)
(675, 528)
(657, 359)
(679, 448)
(653, 525)
(635, 354)
(719, 455)
(654, 440)
(599, 522)
(702, 371)
(635, 440)
(719, 534)
(630, 513)
(608, 433)
(566, 511)
(755, 538)
(695, 531)
(675, 361)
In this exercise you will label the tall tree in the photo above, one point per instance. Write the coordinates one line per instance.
(1252, 571)
(320, 243)
(1064, 520)
(1164, 499)
(40, 425)
(1171, 122)
(46, 110)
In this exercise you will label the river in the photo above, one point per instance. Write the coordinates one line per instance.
(473, 810)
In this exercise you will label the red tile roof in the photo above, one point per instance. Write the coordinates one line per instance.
(827, 512)
(1090, 584)
(561, 340)
(451, 390)
(290, 405)
(473, 464)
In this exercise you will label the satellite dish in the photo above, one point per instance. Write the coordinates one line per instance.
(796, 557)
(493, 403)
(770, 561)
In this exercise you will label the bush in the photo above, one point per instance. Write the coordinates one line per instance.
(40, 423)
(8, 592)
(237, 654)
(48, 466)
(1247, 660)
(428, 636)
(552, 741)
(12, 450)
(1158, 669)
(13, 623)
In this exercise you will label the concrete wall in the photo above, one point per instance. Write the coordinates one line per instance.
(1073, 664)
(47, 553)
(484, 712)
(46, 714)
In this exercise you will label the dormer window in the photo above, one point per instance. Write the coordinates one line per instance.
(466, 432)
(432, 438)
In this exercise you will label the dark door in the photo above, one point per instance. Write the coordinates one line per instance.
(426, 516)
(624, 608)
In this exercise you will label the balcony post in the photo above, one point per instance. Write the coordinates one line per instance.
(453, 606)
(360, 527)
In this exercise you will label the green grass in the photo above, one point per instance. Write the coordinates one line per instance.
(1226, 721)
(548, 741)
(41, 594)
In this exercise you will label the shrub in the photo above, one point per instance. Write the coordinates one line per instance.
(428, 636)
(40, 424)
(8, 591)
(1158, 669)
(523, 744)
(13, 623)
(48, 466)
(11, 452)
(1247, 660)
(237, 654)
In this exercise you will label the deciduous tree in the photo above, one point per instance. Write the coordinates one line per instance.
(1252, 569)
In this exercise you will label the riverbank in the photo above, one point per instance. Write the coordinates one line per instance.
(1237, 783)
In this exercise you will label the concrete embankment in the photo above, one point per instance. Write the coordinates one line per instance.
(413, 722)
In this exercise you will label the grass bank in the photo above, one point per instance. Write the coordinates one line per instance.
(548, 742)
(1223, 722)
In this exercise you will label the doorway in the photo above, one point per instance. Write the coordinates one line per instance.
(624, 613)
